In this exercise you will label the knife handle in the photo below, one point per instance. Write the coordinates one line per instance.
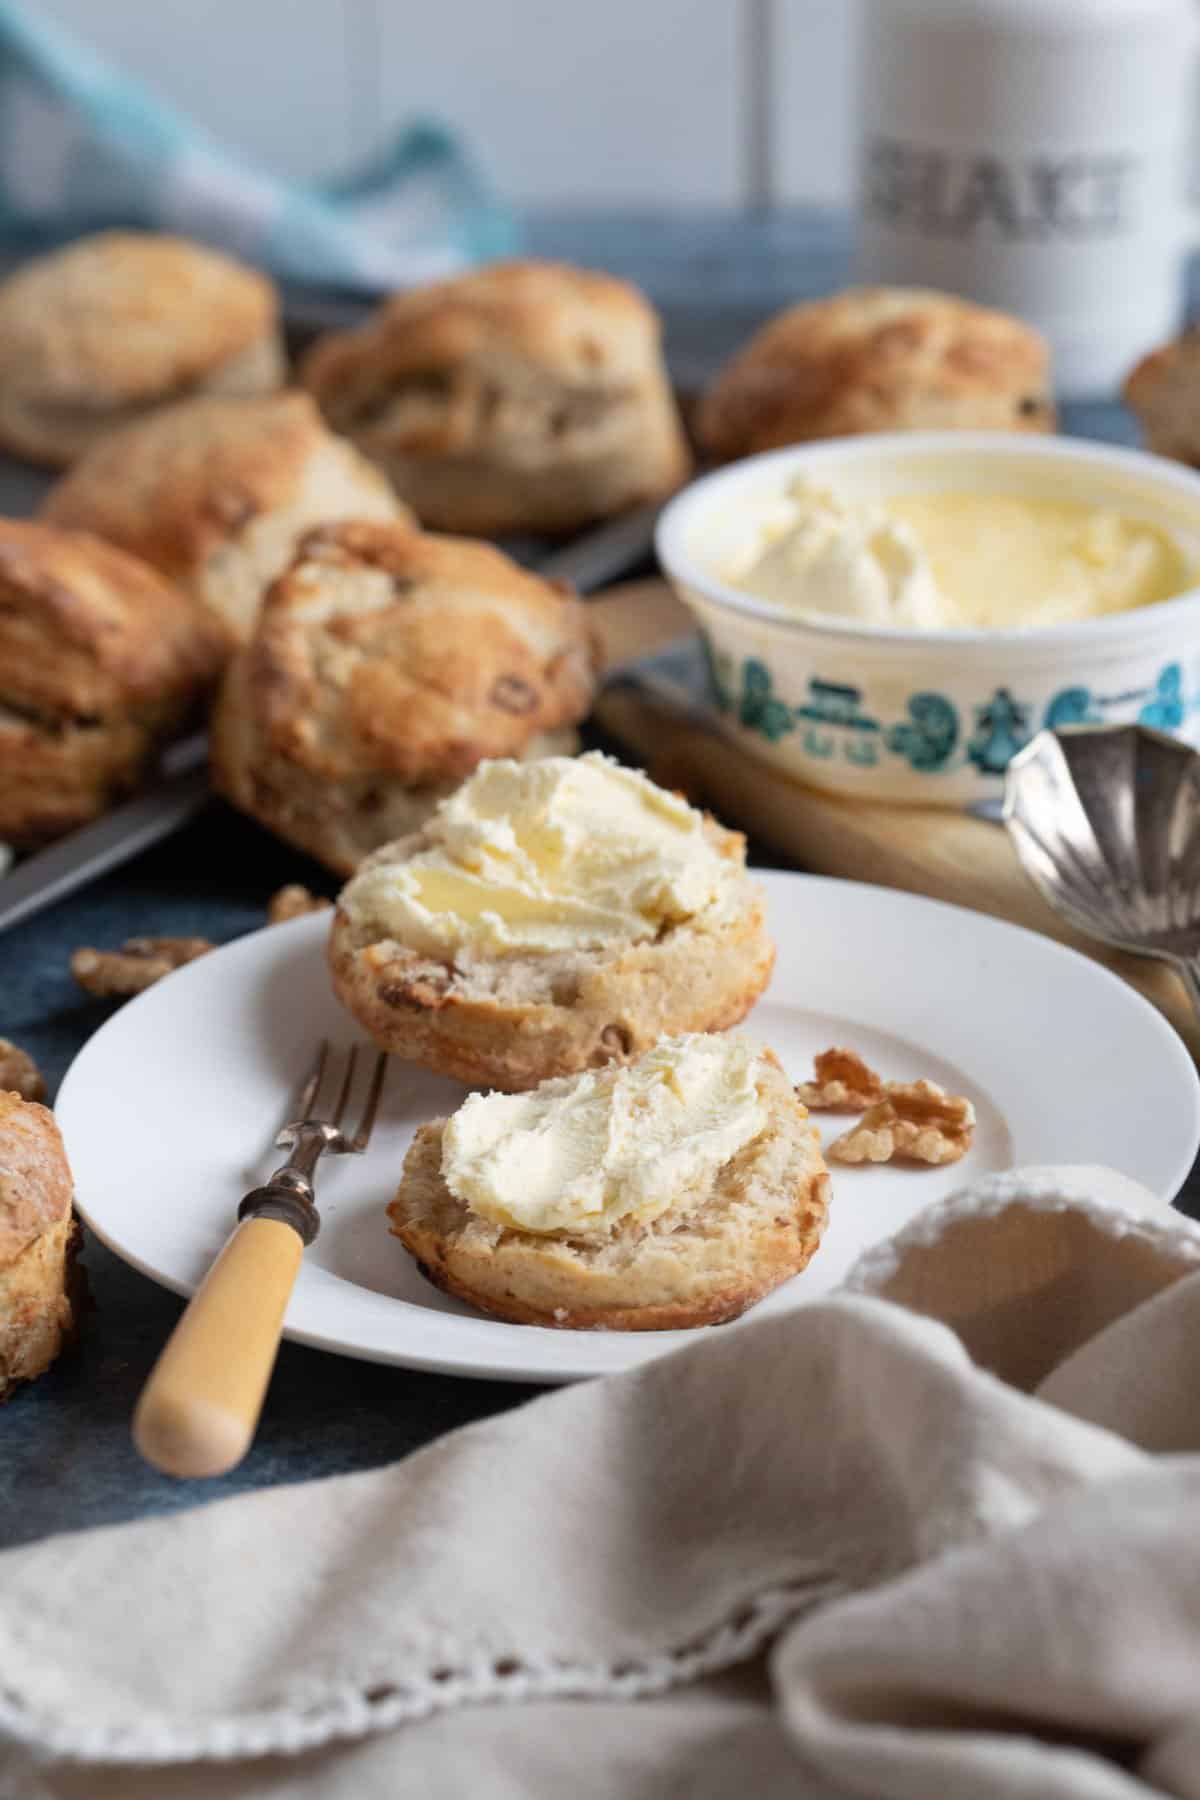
(200, 1406)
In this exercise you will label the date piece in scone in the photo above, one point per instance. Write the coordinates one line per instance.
(40, 1290)
(878, 359)
(112, 327)
(523, 397)
(101, 661)
(551, 917)
(387, 663)
(214, 493)
(674, 1191)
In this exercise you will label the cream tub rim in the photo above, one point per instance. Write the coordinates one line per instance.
(1154, 474)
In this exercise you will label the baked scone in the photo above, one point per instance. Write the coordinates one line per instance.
(214, 493)
(522, 397)
(878, 359)
(39, 1287)
(552, 916)
(101, 660)
(1163, 390)
(106, 330)
(672, 1191)
(386, 665)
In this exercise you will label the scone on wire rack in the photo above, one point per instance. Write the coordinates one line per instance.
(878, 359)
(552, 916)
(672, 1191)
(387, 663)
(101, 661)
(40, 1287)
(215, 492)
(114, 326)
(523, 397)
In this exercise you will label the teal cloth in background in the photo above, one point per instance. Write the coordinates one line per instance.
(83, 147)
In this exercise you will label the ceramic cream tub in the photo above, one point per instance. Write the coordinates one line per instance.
(931, 717)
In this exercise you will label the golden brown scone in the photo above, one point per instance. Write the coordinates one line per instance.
(512, 1019)
(215, 492)
(39, 1293)
(878, 359)
(387, 664)
(713, 1253)
(101, 661)
(1164, 392)
(105, 331)
(522, 397)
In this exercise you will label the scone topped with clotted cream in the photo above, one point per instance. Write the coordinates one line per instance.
(550, 917)
(673, 1190)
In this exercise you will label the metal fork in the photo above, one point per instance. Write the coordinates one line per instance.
(201, 1404)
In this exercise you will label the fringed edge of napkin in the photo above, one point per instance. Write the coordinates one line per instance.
(358, 1708)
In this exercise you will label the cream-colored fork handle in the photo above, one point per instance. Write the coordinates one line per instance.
(199, 1409)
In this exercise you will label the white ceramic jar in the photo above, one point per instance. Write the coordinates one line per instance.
(1033, 155)
(930, 717)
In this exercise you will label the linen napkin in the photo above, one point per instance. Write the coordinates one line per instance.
(934, 1535)
(83, 147)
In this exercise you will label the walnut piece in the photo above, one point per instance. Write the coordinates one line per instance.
(915, 1122)
(843, 1083)
(19, 1074)
(137, 965)
(293, 902)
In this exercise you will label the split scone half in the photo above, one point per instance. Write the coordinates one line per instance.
(551, 916)
(674, 1191)
(40, 1288)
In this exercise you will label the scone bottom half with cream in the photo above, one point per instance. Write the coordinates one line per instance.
(676, 1190)
(550, 917)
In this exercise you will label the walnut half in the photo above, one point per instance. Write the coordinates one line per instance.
(138, 964)
(914, 1122)
(843, 1083)
(19, 1074)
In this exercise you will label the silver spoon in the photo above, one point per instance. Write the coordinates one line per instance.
(1106, 823)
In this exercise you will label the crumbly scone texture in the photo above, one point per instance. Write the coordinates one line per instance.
(878, 359)
(1163, 390)
(526, 396)
(510, 1022)
(714, 1252)
(387, 663)
(215, 492)
(115, 324)
(100, 659)
(38, 1242)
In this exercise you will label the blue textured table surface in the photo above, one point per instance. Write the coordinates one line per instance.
(65, 1455)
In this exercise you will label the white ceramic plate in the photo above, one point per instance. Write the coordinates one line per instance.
(168, 1111)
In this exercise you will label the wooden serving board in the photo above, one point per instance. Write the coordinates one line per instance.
(947, 855)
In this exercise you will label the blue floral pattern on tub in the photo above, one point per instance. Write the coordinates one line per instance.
(1166, 710)
(926, 739)
(760, 709)
(1001, 729)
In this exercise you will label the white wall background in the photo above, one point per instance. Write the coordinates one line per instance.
(621, 103)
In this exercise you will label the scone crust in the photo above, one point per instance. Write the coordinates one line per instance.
(1163, 390)
(532, 397)
(514, 1023)
(38, 1242)
(176, 487)
(100, 658)
(387, 661)
(760, 1225)
(878, 359)
(121, 321)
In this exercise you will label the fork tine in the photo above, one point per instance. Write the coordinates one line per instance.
(347, 1084)
(366, 1124)
(306, 1104)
